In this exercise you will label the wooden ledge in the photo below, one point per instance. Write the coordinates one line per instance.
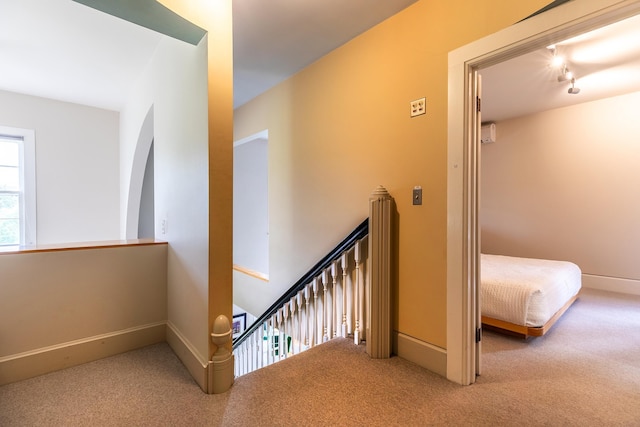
(8, 250)
(250, 272)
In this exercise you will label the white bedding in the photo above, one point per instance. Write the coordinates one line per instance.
(526, 291)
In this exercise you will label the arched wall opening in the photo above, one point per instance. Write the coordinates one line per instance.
(140, 212)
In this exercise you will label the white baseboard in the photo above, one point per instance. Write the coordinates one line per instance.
(41, 361)
(421, 353)
(611, 284)
(186, 352)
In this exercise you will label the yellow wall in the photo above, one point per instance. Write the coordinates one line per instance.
(341, 126)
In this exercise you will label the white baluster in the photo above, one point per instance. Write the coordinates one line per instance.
(284, 332)
(358, 295)
(334, 299)
(255, 356)
(325, 307)
(343, 265)
(272, 343)
(293, 330)
(307, 316)
(292, 326)
(279, 323)
(315, 335)
(285, 328)
(239, 362)
(247, 356)
(235, 363)
(251, 345)
(280, 332)
(263, 334)
(290, 329)
(256, 350)
(282, 326)
(247, 361)
(300, 328)
(267, 343)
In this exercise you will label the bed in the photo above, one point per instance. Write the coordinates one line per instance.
(526, 296)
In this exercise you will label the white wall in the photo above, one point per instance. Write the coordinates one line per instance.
(562, 184)
(251, 206)
(77, 167)
(175, 86)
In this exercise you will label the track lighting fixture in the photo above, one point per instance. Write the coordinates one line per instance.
(573, 89)
(565, 74)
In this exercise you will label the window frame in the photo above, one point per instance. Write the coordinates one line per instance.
(27, 170)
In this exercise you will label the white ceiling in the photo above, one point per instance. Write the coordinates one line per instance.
(64, 50)
(606, 62)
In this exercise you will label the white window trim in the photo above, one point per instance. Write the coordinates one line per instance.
(28, 180)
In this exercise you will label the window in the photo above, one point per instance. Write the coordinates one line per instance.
(17, 187)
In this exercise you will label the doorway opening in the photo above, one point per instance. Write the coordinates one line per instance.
(463, 247)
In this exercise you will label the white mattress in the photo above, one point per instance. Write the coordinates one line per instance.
(526, 291)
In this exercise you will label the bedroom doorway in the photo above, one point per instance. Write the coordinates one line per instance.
(463, 247)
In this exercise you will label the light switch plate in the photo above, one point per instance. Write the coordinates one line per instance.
(417, 195)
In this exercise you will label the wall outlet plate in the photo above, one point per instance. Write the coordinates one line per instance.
(418, 107)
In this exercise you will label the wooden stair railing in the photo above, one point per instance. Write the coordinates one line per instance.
(326, 302)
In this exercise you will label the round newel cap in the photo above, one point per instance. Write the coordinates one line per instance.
(221, 329)
(380, 191)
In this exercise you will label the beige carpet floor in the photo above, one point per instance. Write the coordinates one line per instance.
(584, 372)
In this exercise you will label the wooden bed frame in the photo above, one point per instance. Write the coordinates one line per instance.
(525, 331)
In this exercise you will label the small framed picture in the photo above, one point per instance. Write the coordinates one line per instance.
(239, 324)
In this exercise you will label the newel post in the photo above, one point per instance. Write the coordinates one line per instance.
(379, 295)
(221, 373)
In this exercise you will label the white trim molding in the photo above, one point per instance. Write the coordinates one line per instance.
(188, 355)
(41, 361)
(28, 225)
(421, 353)
(611, 284)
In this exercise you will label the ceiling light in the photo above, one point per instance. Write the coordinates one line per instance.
(573, 89)
(565, 74)
(557, 61)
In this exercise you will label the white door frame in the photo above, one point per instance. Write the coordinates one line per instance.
(560, 23)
